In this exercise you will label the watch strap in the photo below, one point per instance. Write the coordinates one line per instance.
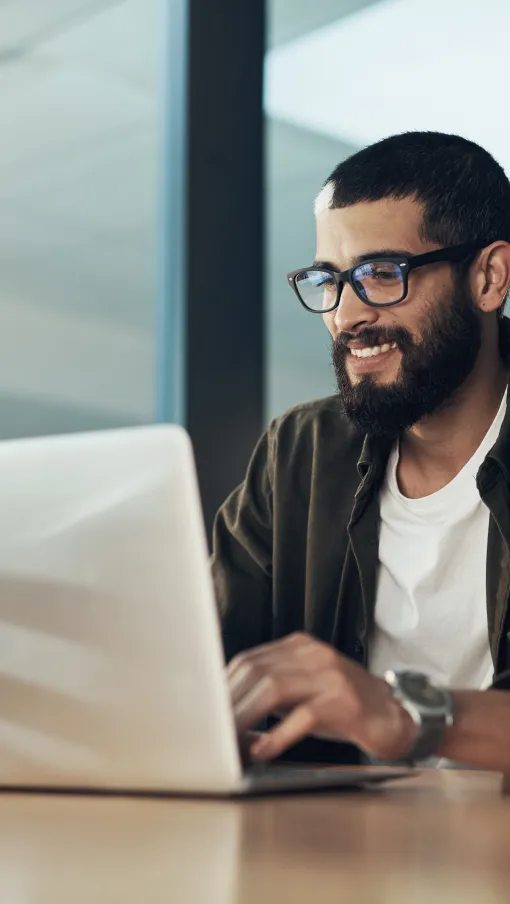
(431, 722)
(430, 735)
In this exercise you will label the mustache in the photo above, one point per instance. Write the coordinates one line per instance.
(376, 336)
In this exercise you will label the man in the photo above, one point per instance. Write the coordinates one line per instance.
(364, 564)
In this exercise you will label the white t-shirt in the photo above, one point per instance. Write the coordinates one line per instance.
(431, 601)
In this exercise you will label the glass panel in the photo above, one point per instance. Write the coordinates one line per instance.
(79, 158)
(299, 157)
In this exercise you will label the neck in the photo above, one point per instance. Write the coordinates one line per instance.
(434, 451)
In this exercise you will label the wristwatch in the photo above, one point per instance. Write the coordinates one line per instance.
(430, 707)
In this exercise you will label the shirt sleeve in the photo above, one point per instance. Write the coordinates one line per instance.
(242, 556)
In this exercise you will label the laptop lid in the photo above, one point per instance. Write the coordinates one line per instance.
(111, 665)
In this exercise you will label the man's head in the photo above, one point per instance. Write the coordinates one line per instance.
(408, 195)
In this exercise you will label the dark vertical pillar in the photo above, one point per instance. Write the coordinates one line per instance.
(224, 248)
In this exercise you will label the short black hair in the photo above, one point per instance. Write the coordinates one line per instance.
(464, 191)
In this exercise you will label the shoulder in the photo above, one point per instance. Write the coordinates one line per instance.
(323, 415)
(314, 428)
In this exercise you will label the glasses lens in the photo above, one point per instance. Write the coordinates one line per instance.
(380, 282)
(317, 289)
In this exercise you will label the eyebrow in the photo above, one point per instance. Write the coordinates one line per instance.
(378, 254)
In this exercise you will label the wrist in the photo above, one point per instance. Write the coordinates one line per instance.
(390, 732)
(480, 735)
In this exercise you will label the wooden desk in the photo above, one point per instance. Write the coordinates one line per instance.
(443, 837)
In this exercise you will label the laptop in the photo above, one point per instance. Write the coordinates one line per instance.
(112, 674)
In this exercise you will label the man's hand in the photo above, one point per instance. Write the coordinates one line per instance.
(316, 691)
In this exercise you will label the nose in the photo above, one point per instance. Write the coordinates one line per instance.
(352, 314)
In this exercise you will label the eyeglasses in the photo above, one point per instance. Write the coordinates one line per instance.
(379, 282)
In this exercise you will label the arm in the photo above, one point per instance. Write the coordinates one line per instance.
(480, 735)
(317, 691)
(242, 556)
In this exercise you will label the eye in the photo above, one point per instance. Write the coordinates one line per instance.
(329, 285)
(384, 274)
(378, 271)
(324, 281)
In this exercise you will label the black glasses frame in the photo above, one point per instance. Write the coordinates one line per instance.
(406, 263)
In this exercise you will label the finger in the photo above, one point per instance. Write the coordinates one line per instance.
(269, 694)
(252, 655)
(248, 674)
(241, 681)
(296, 652)
(285, 648)
(297, 725)
(245, 743)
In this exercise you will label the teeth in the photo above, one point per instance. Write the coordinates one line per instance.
(374, 350)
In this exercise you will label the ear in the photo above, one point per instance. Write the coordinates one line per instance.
(490, 277)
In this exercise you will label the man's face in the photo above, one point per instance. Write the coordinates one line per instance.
(434, 334)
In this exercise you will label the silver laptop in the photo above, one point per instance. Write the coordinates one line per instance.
(111, 666)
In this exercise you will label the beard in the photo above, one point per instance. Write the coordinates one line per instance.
(431, 370)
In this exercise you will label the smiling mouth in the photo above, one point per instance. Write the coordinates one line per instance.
(372, 351)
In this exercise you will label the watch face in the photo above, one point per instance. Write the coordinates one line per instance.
(420, 691)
